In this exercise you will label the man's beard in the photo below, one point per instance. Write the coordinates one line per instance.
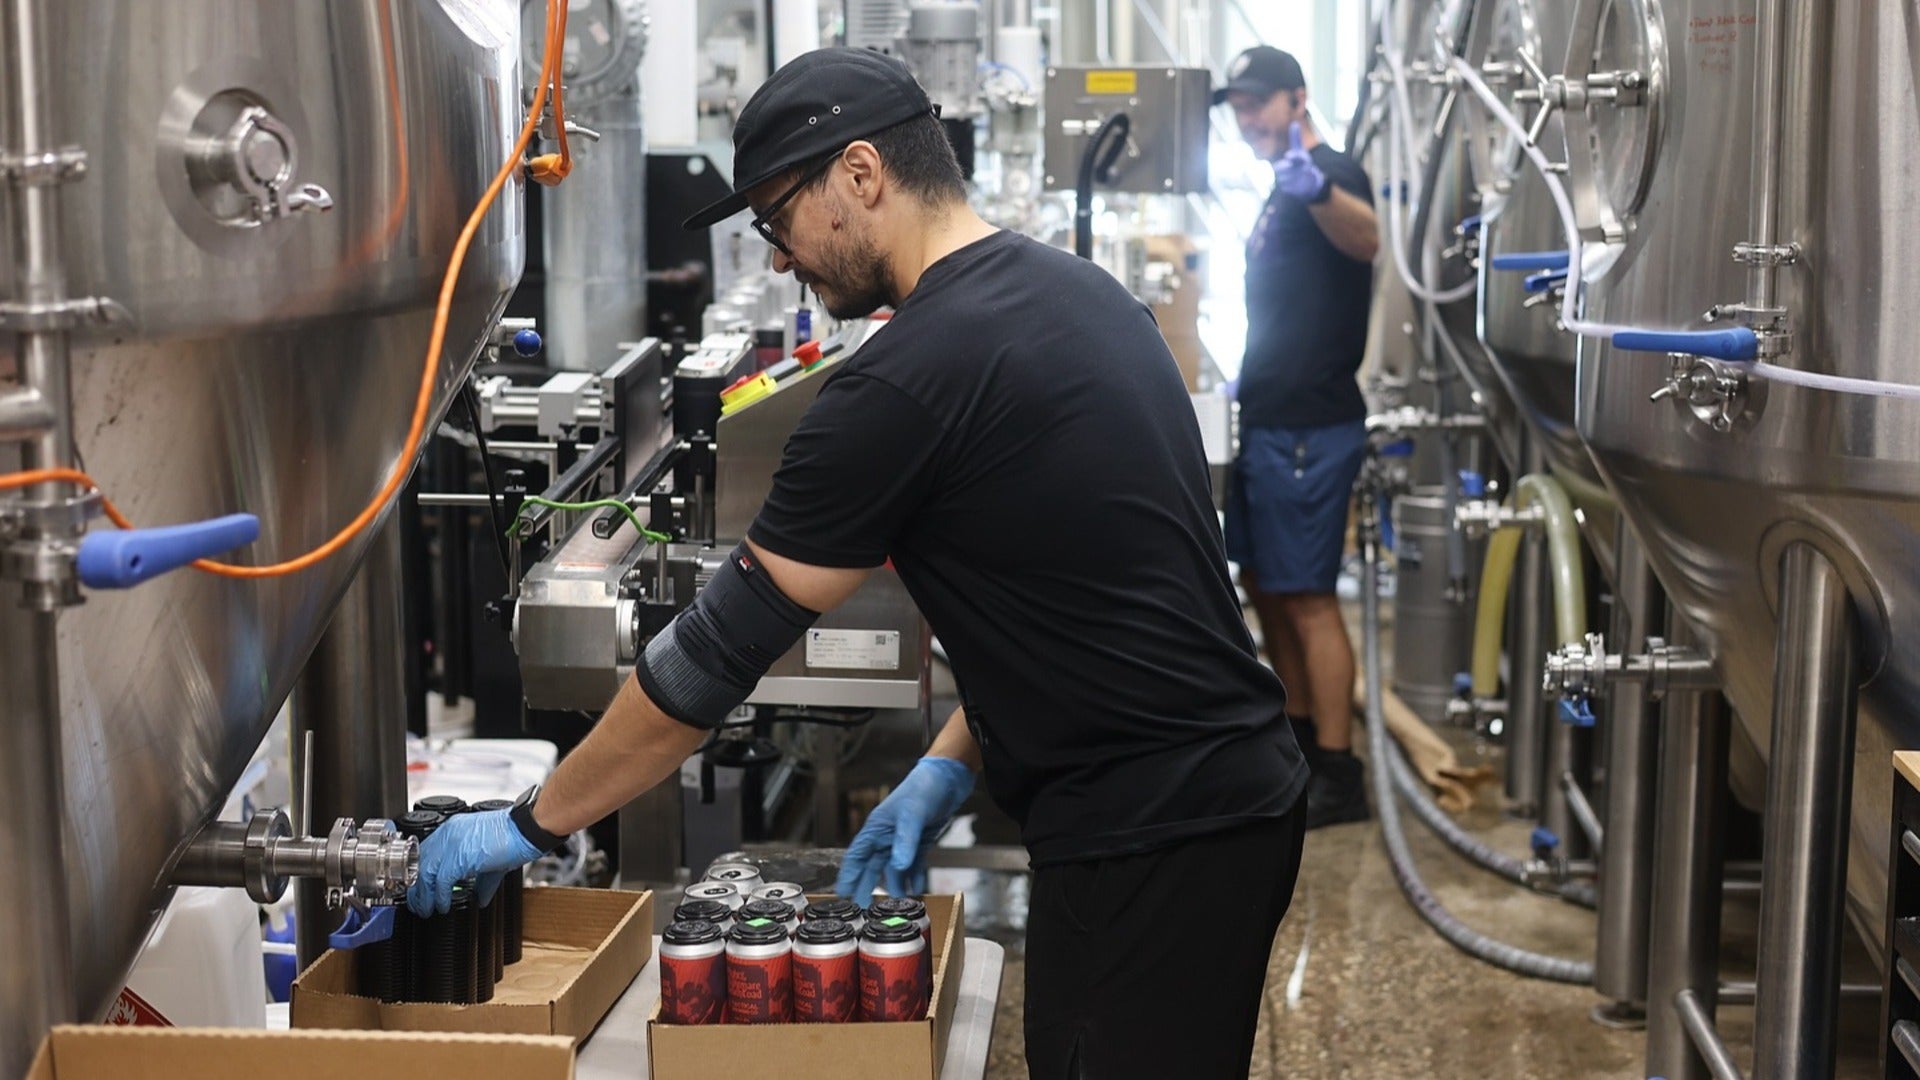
(851, 279)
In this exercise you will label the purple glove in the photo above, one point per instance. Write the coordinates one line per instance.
(1295, 173)
(899, 831)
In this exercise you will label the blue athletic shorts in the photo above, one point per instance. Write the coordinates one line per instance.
(1287, 511)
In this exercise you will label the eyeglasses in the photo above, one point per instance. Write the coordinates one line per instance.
(763, 223)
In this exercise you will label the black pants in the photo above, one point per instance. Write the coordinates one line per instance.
(1153, 965)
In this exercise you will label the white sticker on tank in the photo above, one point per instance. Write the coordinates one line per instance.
(854, 650)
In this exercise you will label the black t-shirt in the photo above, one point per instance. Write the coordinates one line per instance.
(1306, 312)
(1019, 442)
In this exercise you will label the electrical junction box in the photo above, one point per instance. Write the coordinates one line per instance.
(1166, 152)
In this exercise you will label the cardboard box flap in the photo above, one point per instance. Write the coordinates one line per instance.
(110, 1053)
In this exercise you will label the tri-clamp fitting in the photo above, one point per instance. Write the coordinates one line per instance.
(1715, 391)
(1411, 419)
(1478, 517)
(367, 862)
(1583, 670)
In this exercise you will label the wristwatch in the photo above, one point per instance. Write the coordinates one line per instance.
(522, 817)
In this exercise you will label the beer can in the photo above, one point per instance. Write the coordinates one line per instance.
(781, 890)
(837, 907)
(893, 976)
(693, 973)
(742, 876)
(713, 911)
(722, 891)
(759, 973)
(773, 910)
(826, 976)
(906, 907)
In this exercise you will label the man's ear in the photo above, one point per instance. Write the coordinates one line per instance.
(864, 172)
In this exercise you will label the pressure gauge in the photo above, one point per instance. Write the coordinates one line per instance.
(605, 42)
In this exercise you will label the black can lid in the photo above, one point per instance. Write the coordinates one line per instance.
(777, 910)
(494, 804)
(904, 906)
(419, 824)
(891, 929)
(838, 907)
(442, 804)
(824, 932)
(758, 932)
(710, 910)
(691, 932)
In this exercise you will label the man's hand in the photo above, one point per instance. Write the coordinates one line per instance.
(1295, 173)
(484, 844)
(898, 832)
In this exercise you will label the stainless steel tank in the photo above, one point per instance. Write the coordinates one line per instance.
(1719, 508)
(1432, 614)
(270, 365)
(1534, 359)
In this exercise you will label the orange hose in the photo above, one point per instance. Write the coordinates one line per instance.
(423, 402)
(550, 169)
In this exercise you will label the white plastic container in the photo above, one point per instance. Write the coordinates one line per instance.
(201, 967)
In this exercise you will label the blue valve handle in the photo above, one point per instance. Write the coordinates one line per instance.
(1531, 260)
(361, 929)
(1472, 484)
(526, 342)
(1576, 711)
(1737, 343)
(1462, 684)
(1544, 280)
(123, 558)
(1396, 448)
(1469, 224)
(1543, 841)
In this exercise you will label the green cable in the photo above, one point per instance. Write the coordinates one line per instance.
(658, 538)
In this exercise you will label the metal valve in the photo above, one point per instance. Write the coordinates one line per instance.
(362, 863)
(1478, 517)
(1581, 670)
(1619, 88)
(257, 156)
(1715, 391)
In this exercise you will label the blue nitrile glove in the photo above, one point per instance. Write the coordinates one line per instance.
(1295, 173)
(483, 844)
(899, 831)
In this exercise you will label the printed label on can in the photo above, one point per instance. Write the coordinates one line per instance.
(693, 990)
(854, 650)
(826, 990)
(759, 991)
(892, 987)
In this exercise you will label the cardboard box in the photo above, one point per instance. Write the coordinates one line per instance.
(899, 1051)
(583, 946)
(114, 1053)
(1179, 316)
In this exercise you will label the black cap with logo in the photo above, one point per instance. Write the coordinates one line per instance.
(1262, 70)
(817, 104)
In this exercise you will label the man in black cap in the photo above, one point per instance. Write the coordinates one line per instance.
(1302, 419)
(1019, 443)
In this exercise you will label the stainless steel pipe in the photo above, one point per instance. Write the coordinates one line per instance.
(1690, 832)
(1633, 762)
(352, 695)
(1809, 795)
(1698, 1024)
(1527, 650)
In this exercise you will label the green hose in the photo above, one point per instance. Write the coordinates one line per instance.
(1490, 617)
(1563, 554)
(1585, 492)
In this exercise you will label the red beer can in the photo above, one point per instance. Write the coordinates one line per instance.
(759, 973)
(906, 907)
(724, 892)
(781, 890)
(826, 978)
(772, 910)
(693, 973)
(742, 876)
(712, 911)
(893, 976)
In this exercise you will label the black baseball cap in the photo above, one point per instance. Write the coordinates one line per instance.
(817, 104)
(1262, 70)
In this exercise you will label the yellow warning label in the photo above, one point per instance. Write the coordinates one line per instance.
(1113, 82)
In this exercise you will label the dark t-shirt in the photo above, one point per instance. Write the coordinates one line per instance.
(1306, 312)
(1019, 442)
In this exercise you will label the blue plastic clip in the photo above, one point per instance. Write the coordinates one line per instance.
(1737, 343)
(1575, 710)
(123, 558)
(367, 929)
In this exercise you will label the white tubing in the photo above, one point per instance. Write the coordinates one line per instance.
(1399, 142)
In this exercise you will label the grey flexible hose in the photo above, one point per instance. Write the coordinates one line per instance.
(1457, 933)
(1414, 790)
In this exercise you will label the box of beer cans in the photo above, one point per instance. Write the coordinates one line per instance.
(752, 973)
(574, 953)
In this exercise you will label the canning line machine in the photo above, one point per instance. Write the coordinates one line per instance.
(1678, 228)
